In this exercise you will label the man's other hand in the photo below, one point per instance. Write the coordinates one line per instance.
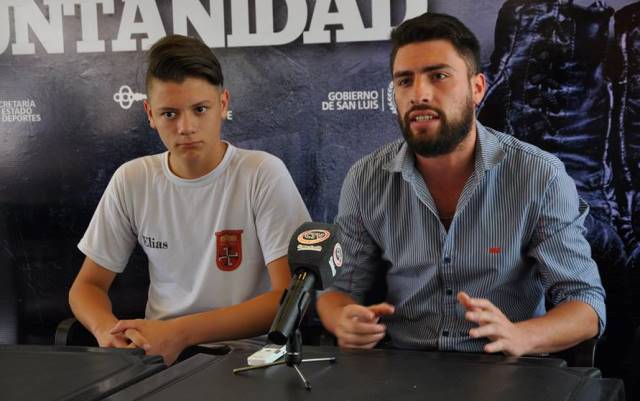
(358, 325)
(505, 336)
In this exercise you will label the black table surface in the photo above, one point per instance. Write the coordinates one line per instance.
(377, 375)
(31, 372)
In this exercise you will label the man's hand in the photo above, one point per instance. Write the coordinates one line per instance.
(156, 337)
(505, 336)
(358, 326)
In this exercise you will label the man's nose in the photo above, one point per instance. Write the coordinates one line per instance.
(186, 124)
(422, 91)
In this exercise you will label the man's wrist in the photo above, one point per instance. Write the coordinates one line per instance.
(530, 339)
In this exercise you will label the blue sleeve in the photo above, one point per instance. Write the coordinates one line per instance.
(561, 250)
(362, 256)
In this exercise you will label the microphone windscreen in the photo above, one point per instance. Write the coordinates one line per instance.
(315, 247)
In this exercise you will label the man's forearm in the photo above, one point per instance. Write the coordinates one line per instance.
(92, 307)
(330, 306)
(247, 319)
(562, 327)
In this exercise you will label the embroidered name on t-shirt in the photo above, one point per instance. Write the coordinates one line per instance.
(151, 242)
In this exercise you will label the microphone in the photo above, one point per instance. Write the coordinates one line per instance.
(314, 255)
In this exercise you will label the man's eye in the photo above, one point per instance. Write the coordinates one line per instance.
(439, 76)
(169, 115)
(201, 109)
(403, 82)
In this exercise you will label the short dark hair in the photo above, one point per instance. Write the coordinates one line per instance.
(177, 57)
(434, 26)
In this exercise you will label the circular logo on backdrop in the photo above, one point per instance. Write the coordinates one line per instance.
(391, 100)
(311, 237)
(337, 254)
(125, 97)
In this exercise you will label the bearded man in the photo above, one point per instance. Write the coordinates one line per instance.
(474, 232)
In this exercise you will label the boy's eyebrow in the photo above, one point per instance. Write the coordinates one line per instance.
(200, 103)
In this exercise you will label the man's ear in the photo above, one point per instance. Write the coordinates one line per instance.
(478, 87)
(147, 109)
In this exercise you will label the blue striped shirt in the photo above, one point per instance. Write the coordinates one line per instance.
(517, 234)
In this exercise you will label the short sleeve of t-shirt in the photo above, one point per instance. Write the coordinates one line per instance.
(110, 237)
(278, 208)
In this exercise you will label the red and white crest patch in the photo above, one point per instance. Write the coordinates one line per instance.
(228, 249)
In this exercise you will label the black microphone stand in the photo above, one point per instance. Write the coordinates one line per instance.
(292, 359)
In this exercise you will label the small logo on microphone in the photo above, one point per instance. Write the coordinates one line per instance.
(125, 97)
(311, 237)
(337, 255)
(309, 248)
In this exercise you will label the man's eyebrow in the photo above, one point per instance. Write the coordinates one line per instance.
(436, 67)
(428, 68)
(400, 74)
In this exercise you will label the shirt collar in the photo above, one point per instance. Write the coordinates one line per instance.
(404, 156)
(489, 153)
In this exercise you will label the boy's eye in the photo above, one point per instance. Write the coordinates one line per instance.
(169, 114)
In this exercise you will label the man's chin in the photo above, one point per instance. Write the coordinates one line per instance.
(424, 133)
(421, 137)
(428, 144)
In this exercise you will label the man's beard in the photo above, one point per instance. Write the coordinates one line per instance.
(446, 139)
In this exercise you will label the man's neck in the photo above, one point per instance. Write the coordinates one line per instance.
(445, 176)
(453, 167)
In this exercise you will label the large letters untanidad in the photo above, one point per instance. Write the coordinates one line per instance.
(45, 20)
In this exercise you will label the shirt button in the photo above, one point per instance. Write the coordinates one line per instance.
(447, 259)
(449, 291)
(445, 333)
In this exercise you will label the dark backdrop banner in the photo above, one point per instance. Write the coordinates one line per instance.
(310, 83)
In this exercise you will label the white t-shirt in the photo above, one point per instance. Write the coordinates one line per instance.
(208, 240)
